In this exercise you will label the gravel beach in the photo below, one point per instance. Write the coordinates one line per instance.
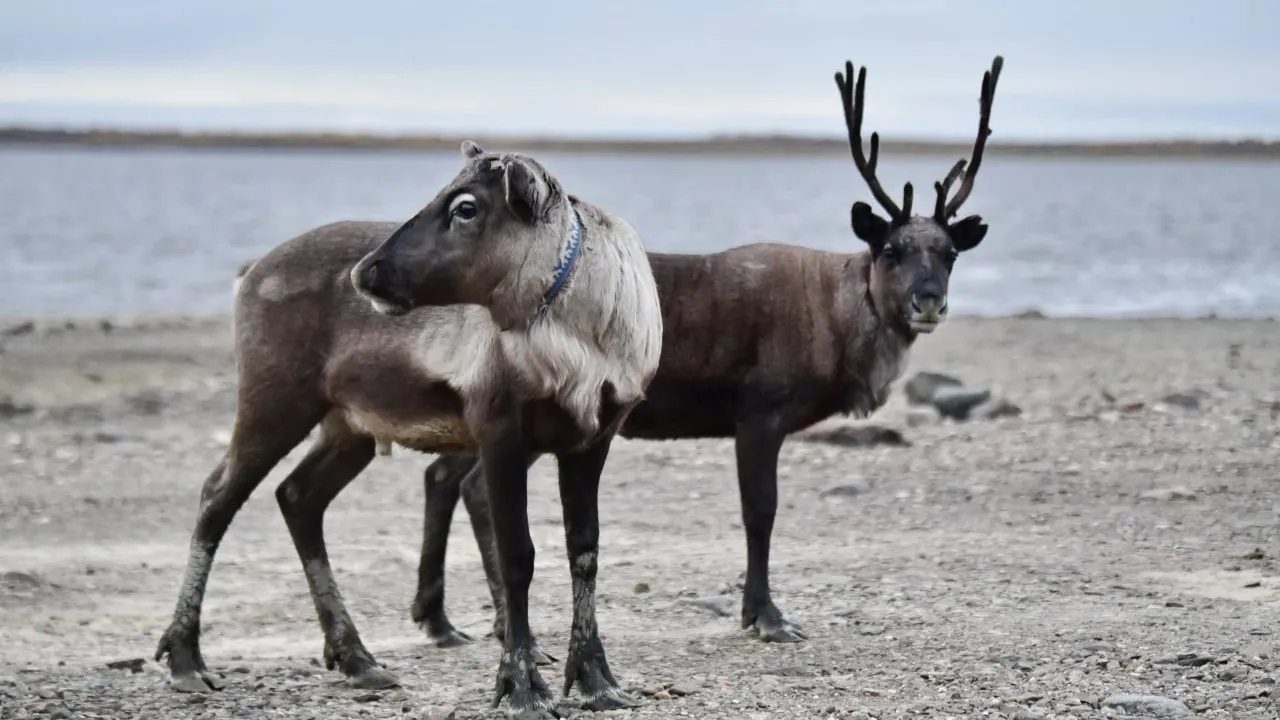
(1112, 549)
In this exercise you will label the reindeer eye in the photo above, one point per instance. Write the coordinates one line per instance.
(889, 253)
(463, 208)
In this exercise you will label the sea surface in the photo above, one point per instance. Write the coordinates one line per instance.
(87, 232)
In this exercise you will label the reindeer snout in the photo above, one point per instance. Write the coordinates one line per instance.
(371, 278)
(365, 275)
(928, 302)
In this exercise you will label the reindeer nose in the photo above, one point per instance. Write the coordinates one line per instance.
(366, 277)
(928, 300)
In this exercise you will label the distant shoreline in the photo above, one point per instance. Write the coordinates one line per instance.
(714, 145)
(13, 327)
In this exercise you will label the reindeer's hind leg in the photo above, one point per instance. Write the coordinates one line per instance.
(260, 439)
(442, 482)
(443, 478)
(337, 458)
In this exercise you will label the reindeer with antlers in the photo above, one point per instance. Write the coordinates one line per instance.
(761, 341)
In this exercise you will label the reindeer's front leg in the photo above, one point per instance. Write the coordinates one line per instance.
(759, 440)
(476, 500)
(586, 666)
(505, 458)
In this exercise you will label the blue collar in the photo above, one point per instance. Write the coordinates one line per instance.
(568, 257)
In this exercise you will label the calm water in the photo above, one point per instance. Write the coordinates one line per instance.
(87, 232)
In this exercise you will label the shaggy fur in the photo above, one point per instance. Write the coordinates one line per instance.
(572, 350)
(433, 335)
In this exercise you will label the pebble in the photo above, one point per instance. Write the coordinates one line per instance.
(1184, 401)
(721, 605)
(787, 671)
(1230, 674)
(14, 577)
(859, 436)
(1168, 494)
(23, 328)
(1150, 706)
(1256, 650)
(1103, 647)
(1195, 660)
(846, 490)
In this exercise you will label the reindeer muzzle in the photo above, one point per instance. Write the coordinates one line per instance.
(927, 312)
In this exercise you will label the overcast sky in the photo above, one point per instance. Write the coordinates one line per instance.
(1073, 68)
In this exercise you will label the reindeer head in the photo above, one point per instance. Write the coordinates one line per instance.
(500, 223)
(912, 255)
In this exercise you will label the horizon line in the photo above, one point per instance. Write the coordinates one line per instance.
(720, 143)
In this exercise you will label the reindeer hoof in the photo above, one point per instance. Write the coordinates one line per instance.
(195, 681)
(448, 638)
(588, 670)
(527, 694)
(541, 658)
(373, 678)
(783, 631)
(612, 698)
(187, 671)
(770, 626)
(359, 667)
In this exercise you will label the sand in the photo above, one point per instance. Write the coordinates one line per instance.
(1101, 545)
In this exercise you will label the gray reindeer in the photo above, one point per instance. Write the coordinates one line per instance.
(761, 341)
(506, 319)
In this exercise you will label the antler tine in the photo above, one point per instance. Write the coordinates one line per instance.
(944, 187)
(989, 80)
(853, 107)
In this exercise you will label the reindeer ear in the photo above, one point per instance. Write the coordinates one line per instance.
(868, 226)
(967, 233)
(527, 194)
(470, 149)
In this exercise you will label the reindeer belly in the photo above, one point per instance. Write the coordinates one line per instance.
(395, 406)
(437, 433)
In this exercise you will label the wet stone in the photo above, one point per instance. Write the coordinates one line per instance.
(958, 402)
(923, 387)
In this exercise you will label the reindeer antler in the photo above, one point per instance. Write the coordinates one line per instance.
(944, 187)
(989, 79)
(853, 106)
